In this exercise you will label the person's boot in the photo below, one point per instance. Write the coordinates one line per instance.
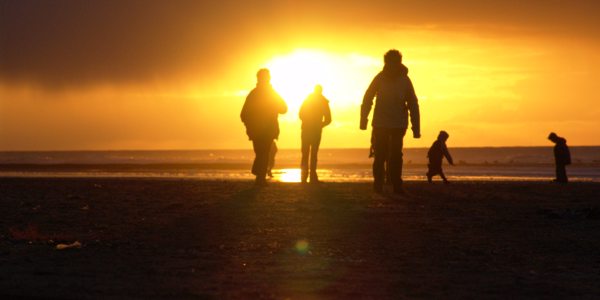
(260, 181)
(314, 178)
(304, 176)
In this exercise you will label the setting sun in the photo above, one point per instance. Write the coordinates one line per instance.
(295, 75)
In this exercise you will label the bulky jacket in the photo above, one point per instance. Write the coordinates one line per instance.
(260, 112)
(315, 112)
(562, 155)
(437, 152)
(395, 99)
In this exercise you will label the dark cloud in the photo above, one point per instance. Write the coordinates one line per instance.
(71, 42)
(63, 42)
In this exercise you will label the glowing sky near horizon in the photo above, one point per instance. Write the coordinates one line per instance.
(146, 75)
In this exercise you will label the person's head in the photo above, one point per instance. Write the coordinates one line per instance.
(553, 137)
(263, 76)
(443, 136)
(392, 57)
(318, 89)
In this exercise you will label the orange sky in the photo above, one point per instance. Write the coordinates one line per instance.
(142, 75)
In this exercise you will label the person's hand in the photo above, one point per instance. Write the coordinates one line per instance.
(363, 123)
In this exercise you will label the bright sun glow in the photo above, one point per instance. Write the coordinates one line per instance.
(343, 77)
(289, 175)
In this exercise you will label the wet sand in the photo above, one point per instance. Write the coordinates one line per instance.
(187, 238)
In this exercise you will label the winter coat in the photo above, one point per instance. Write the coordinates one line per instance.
(395, 99)
(562, 155)
(437, 152)
(260, 112)
(315, 113)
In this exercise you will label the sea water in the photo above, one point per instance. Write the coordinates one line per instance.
(497, 163)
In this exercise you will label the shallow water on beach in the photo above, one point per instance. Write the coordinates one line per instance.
(325, 175)
(336, 165)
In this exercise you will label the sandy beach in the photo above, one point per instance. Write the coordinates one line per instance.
(188, 238)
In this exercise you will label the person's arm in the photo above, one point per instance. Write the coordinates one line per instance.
(327, 114)
(302, 111)
(413, 108)
(282, 105)
(367, 103)
(447, 153)
(245, 109)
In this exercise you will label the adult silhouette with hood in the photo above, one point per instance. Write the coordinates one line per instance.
(395, 99)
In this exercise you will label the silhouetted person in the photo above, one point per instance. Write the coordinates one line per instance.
(395, 99)
(315, 114)
(562, 157)
(436, 154)
(259, 114)
(272, 153)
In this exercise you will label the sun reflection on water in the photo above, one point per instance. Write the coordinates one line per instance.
(289, 175)
(294, 175)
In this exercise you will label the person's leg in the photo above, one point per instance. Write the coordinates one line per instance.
(388, 172)
(305, 153)
(261, 148)
(256, 148)
(429, 173)
(314, 150)
(397, 138)
(271, 164)
(381, 151)
(443, 176)
(561, 173)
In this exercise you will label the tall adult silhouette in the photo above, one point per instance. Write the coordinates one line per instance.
(315, 114)
(260, 116)
(395, 98)
(562, 157)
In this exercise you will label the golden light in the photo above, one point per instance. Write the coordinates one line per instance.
(344, 77)
(289, 175)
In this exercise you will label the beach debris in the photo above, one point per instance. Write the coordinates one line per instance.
(75, 245)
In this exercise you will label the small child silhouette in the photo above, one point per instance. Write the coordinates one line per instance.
(436, 154)
(562, 157)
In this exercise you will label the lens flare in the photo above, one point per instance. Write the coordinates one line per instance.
(301, 247)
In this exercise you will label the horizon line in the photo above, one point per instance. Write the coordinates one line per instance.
(250, 149)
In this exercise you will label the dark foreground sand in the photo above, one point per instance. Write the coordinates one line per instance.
(156, 238)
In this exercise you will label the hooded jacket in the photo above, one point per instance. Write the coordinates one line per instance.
(562, 155)
(437, 152)
(395, 99)
(260, 112)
